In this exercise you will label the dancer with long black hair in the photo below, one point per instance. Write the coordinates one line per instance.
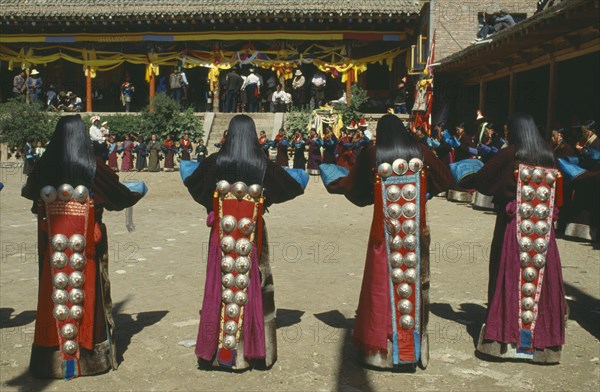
(394, 175)
(236, 185)
(526, 313)
(70, 188)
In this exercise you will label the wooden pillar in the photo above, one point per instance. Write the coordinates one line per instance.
(215, 93)
(512, 87)
(349, 87)
(152, 89)
(551, 115)
(482, 96)
(88, 90)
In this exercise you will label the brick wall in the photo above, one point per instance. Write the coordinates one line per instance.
(456, 22)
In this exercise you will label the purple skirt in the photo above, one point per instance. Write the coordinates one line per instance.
(253, 324)
(314, 156)
(502, 323)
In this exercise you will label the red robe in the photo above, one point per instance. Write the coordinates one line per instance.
(373, 326)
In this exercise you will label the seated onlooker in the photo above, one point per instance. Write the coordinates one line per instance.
(51, 97)
(487, 28)
(503, 21)
(75, 103)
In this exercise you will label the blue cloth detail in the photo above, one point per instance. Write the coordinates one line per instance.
(70, 369)
(465, 167)
(574, 160)
(525, 339)
(299, 175)
(454, 142)
(570, 170)
(136, 186)
(483, 149)
(331, 172)
(417, 339)
(432, 143)
(186, 168)
(472, 151)
(446, 137)
(591, 153)
(1, 186)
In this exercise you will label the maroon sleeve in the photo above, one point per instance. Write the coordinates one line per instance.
(202, 182)
(31, 190)
(496, 178)
(279, 185)
(109, 193)
(439, 178)
(358, 185)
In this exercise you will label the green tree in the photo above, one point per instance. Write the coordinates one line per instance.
(297, 119)
(358, 97)
(20, 121)
(168, 118)
(121, 124)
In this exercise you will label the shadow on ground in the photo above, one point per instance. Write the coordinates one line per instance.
(584, 309)
(18, 320)
(352, 376)
(127, 326)
(469, 314)
(288, 317)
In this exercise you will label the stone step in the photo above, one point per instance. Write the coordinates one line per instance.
(263, 122)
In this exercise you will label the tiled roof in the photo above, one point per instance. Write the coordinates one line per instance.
(206, 8)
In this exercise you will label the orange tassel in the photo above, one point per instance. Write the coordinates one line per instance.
(559, 190)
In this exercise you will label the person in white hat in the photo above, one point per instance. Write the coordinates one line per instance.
(34, 85)
(298, 89)
(75, 104)
(95, 131)
(105, 128)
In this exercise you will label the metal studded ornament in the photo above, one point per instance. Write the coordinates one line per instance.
(223, 187)
(239, 189)
(77, 243)
(48, 194)
(67, 259)
(385, 170)
(60, 312)
(393, 193)
(60, 280)
(70, 347)
(536, 187)
(228, 224)
(399, 167)
(58, 260)
(255, 191)
(401, 195)
(65, 192)
(77, 261)
(227, 263)
(60, 242)
(239, 208)
(81, 194)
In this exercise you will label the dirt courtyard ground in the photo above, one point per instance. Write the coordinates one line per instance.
(317, 245)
